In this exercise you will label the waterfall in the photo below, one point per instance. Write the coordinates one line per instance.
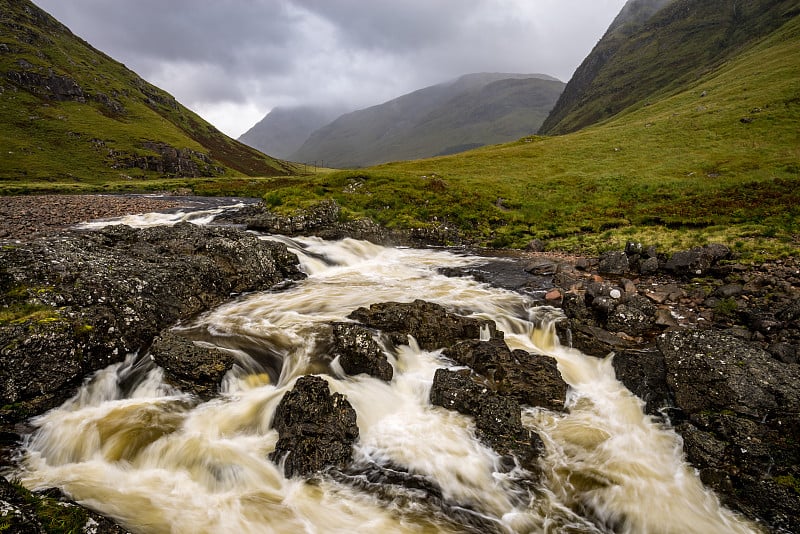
(157, 460)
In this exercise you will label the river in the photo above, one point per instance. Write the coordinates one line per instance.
(156, 460)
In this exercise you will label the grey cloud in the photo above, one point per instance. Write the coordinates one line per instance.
(257, 54)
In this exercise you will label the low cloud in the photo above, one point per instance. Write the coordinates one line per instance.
(232, 60)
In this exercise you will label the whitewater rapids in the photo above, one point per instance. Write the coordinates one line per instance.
(158, 461)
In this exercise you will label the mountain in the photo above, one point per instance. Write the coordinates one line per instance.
(655, 47)
(284, 130)
(69, 113)
(471, 111)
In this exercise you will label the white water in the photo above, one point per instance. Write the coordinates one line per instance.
(157, 461)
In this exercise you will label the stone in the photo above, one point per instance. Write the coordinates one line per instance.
(316, 429)
(497, 418)
(431, 325)
(531, 379)
(358, 352)
(696, 261)
(191, 367)
(613, 262)
(114, 291)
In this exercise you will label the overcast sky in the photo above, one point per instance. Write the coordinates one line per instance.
(232, 61)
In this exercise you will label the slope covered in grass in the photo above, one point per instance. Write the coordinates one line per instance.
(718, 160)
(69, 114)
(655, 47)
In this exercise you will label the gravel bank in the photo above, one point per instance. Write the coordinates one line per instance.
(24, 217)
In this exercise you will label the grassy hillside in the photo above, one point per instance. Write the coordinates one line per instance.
(474, 110)
(654, 48)
(70, 116)
(677, 171)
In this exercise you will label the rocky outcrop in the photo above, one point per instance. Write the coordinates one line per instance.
(531, 379)
(358, 352)
(316, 429)
(167, 160)
(189, 366)
(325, 220)
(430, 324)
(85, 300)
(742, 427)
(497, 417)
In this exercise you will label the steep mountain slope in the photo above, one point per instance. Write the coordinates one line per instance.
(69, 113)
(474, 110)
(654, 47)
(284, 130)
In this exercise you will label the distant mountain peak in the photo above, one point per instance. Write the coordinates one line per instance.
(467, 112)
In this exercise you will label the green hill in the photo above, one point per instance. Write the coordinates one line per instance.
(718, 159)
(69, 114)
(472, 111)
(654, 48)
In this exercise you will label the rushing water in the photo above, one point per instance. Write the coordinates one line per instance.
(136, 449)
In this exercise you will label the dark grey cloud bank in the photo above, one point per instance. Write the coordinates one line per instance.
(233, 60)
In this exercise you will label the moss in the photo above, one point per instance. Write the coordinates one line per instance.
(726, 307)
(54, 515)
(790, 482)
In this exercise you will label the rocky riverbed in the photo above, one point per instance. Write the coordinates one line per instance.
(710, 344)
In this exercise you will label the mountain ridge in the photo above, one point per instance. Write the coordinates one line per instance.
(391, 130)
(654, 47)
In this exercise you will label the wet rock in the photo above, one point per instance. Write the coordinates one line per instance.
(24, 512)
(431, 325)
(711, 370)
(107, 293)
(635, 317)
(497, 418)
(648, 265)
(613, 262)
(784, 352)
(358, 352)
(743, 410)
(323, 220)
(535, 245)
(317, 429)
(189, 366)
(696, 261)
(531, 379)
(644, 373)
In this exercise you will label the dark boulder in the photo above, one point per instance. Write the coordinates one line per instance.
(644, 373)
(324, 220)
(613, 262)
(696, 261)
(531, 379)
(316, 429)
(743, 420)
(430, 324)
(189, 366)
(358, 352)
(497, 418)
(712, 370)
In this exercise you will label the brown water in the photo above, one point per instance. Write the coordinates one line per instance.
(135, 449)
